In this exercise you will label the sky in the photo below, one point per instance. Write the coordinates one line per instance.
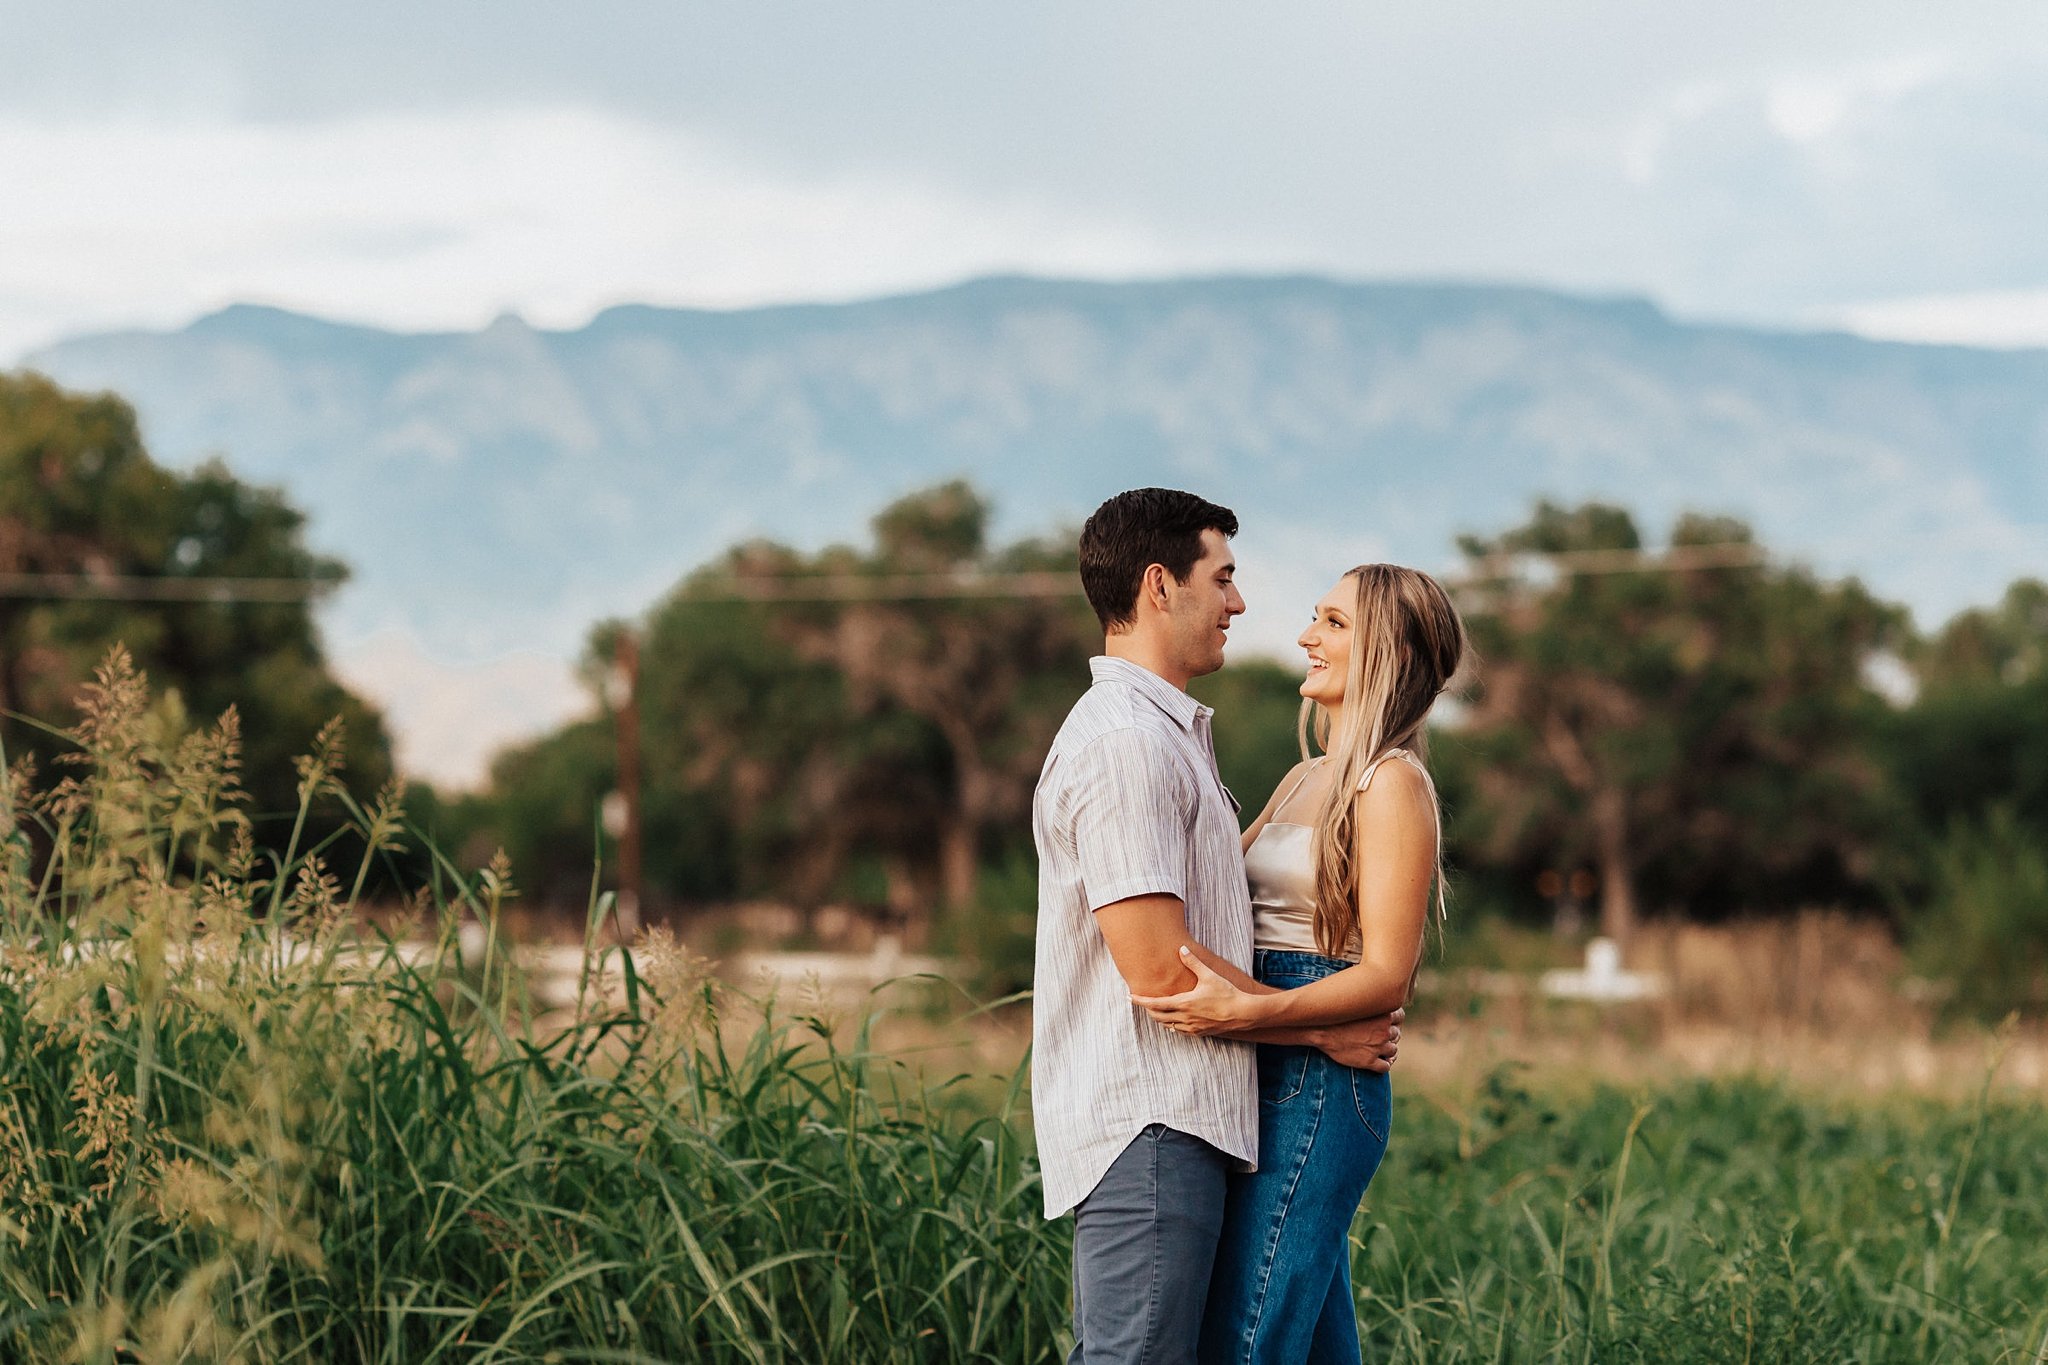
(1878, 166)
(1874, 165)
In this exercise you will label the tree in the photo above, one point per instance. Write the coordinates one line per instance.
(1692, 723)
(883, 708)
(80, 496)
(2006, 644)
(992, 675)
(1975, 739)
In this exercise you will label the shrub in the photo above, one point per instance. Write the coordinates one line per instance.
(1986, 926)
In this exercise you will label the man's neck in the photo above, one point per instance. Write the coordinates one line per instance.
(1134, 647)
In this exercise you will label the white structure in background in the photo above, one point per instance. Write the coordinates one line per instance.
(1602, 978)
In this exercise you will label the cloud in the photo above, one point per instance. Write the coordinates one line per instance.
(1995, 317)
(432, 219)
(447, 718)
(397, 163)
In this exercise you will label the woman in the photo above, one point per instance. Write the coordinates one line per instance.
(1341, 862)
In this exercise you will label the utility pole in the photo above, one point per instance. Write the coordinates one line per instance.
(625, 698)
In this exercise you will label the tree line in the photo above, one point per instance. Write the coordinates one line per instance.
(1690, 726)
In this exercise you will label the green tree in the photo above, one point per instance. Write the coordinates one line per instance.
(1693, 725)
(1976, 736)
(80, 497)
(860, 722)
(2005, 644)
(992, 675)
(1970, 756)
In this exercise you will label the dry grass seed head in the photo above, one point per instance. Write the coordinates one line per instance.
(25, 1193)
(315, 902)
(205, 772)
(187, 1324)
(64, 1001)
(387, 819)
(327, 758)
(496, 881)
(111, 713)
(681, 982)
(105, 1123)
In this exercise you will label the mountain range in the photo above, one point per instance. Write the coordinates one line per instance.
(497, 491)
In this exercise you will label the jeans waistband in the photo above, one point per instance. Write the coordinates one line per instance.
(1285, 962)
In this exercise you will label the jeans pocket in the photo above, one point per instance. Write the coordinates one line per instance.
(1373, 1096)
(1281, 1071)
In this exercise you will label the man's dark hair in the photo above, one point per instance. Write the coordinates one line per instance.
(1137, 529)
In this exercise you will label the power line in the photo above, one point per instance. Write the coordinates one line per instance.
(919, 587)
(867, 587)
(883, 587)
(1736, 554)
(137, 588)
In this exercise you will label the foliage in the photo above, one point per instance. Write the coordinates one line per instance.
(242, 1139)
(853, 706)
(2007, 643)
(79, 494)
(1713, 1222)
(1976, 737)
(1985, 926)
(1695, 729)
(220, 1142)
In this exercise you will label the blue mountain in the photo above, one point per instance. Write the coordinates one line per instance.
(505, 487)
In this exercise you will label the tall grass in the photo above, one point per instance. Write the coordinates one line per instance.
(218, 1142)
(231, 1129)
(1723, 1221)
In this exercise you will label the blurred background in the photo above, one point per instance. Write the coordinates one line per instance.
(661, 433)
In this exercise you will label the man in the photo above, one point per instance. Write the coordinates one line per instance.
(1138, 855)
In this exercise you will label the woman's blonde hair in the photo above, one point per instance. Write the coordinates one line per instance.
(1407, 641)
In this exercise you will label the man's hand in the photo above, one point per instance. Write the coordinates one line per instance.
(1367, 1044)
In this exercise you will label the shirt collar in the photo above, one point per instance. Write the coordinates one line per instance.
(1182, 708)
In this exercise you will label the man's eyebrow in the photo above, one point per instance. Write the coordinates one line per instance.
(1231, 567)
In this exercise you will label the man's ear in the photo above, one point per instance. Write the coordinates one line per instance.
(1153, 586)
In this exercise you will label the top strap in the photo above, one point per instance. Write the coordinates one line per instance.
(1306, 769)
(1412, 761)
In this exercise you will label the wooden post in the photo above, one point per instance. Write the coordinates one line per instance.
(626, 725)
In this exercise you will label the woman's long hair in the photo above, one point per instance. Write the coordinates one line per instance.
(1407, 641)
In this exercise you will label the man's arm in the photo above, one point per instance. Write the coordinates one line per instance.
(1145, 934)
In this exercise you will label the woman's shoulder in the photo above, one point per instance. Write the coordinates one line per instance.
(1398, 774)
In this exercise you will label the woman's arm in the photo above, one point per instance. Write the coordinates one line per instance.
(1286, 784)
(1396, 857)
(1368, 1044)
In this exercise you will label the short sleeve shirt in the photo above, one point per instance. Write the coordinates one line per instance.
(1129, 804)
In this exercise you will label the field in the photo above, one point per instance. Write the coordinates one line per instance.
(218, 1142)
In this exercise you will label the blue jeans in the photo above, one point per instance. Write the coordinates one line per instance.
(1282, 1285)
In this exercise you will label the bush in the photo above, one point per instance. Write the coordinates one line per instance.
(1986, 926)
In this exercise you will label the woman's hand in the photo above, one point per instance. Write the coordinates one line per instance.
(1211, 1005)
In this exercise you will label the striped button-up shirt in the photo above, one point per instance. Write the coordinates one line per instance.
(1129, 804)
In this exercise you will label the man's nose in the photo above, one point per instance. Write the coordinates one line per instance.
(1234, 604)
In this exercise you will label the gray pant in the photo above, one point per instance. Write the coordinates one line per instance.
(1144, 1241)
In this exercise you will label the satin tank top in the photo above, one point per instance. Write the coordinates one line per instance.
(1280, 870)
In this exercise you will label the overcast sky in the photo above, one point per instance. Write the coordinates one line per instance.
(1877, 165)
